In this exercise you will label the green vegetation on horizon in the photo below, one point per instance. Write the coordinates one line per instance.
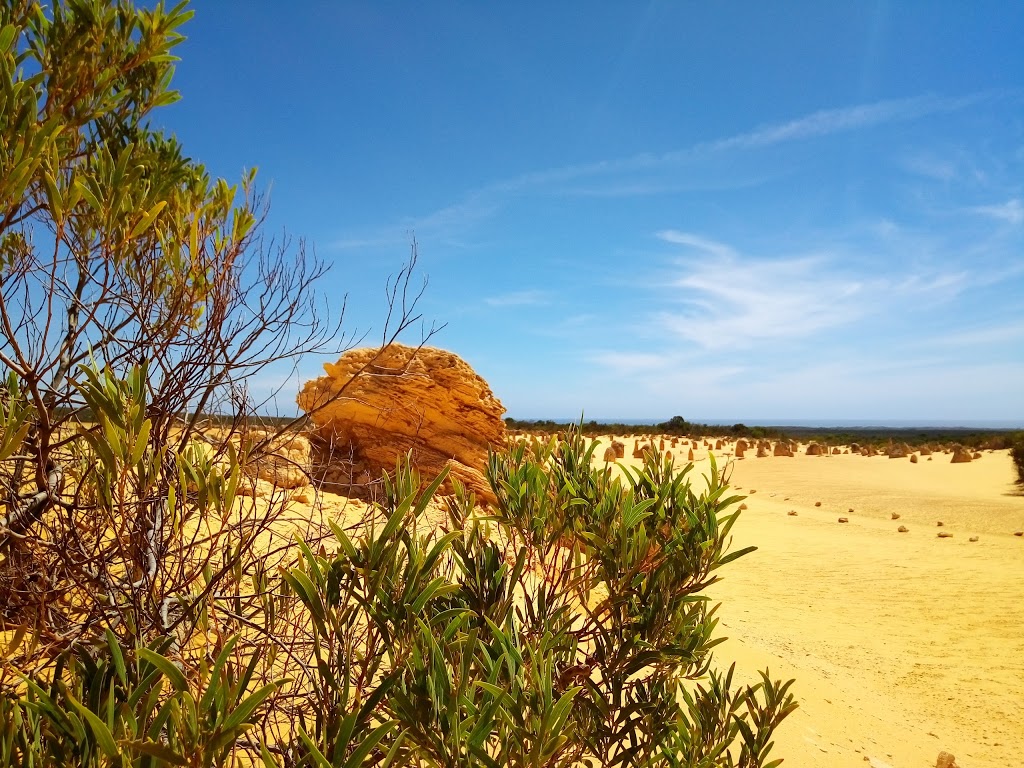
(968, 436)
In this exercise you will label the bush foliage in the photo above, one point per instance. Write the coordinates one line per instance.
(1017, 454)
(149, 612)
(567, 626)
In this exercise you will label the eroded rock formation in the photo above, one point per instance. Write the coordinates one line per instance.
(421, 400)
(961, 456)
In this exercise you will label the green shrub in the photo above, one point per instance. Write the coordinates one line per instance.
(566, 626)
(1017, 454)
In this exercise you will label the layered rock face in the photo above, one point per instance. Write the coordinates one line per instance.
(424, 400)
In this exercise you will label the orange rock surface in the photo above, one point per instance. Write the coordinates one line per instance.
(374, 406)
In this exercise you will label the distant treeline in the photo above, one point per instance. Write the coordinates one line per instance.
(677, 425)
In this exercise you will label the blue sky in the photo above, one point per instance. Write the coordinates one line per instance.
(740, 211)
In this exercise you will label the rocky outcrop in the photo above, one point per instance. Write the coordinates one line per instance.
(619, 448)
(813, 449)
(960, 456)
(375, 406)
(782, 449)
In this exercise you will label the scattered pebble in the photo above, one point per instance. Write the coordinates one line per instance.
(792, 513)
(817, 503)
(903, 529)
(973, 538)
(945, 535)
(850, 511)
(742, 507)
(895, 515)
(938, 523)
(844, 519)
(1018, 533)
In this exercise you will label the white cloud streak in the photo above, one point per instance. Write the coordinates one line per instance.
(826, 122)
(518, 299)
(1012, 211)
(483, 202)
(735, 301)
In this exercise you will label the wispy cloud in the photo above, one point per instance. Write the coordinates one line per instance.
(518, 299)
(630, 362)
(737, 302)
(930, 166)
(697, 242)
(830, 121)
(977, 337)
(733, 300)
(485, 201)
(1012, 211)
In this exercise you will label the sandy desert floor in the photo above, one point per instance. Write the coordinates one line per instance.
(902, 644)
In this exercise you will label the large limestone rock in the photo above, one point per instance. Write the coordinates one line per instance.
(424, 400)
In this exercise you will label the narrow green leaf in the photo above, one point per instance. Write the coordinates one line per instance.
(104, 738)
(171, 672)
(243, 710)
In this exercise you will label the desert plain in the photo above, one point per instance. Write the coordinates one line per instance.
(902, 644)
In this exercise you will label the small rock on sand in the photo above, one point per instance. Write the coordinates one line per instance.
(792, 513)
(945, 760)
(844, 519)
(973, 538)
(1018, 533)
(945, 535)
(938, 523)
(903, 529)
(742, 507)
(895, 515)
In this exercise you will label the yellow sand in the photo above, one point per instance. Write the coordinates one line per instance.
(902, 644)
